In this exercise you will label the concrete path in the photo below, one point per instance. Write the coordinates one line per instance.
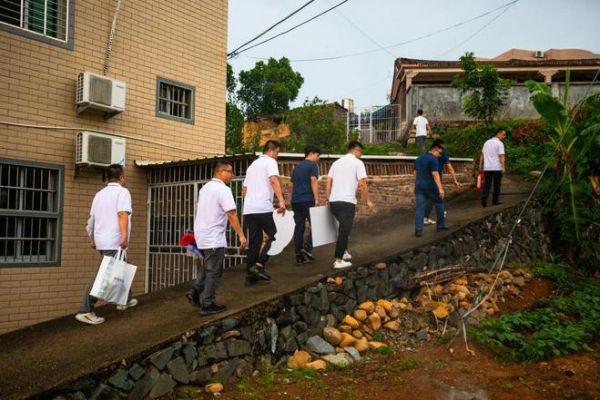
(46, 355)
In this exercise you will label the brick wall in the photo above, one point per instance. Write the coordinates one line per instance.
(183, 41)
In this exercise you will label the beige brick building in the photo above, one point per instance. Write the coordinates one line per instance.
(171, 56)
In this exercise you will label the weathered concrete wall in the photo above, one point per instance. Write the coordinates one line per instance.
(264, 336)
(442, 102)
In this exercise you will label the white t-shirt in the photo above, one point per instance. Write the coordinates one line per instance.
(421, 123)
(492, 150)
(214, 201)
(346, 172)
(111, 200)
(259, 192)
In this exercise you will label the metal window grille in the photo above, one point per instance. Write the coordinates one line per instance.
(375, 124)
(175, 101)
(30, 208)
(45, 17)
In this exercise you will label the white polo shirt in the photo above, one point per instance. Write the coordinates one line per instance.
(214, 201)
(111, 200)
(421, 123)
(346, 172)
(492, 150)
(259, 192)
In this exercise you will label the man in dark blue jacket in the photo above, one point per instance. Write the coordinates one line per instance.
(428, 188)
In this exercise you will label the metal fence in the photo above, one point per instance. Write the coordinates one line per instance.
(374, 124)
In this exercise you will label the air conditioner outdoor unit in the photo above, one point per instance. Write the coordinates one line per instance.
(538, 54)
(99, 149)
(99, 92)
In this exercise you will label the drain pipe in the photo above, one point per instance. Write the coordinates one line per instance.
(111, 37)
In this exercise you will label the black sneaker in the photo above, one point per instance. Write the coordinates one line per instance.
(483, 203)
(497, 203)
(252, 280)
(418, 233)
(213, 308)
(300, 259)
(308, 255)
(263, 274)
(443, 228)
(193, 297)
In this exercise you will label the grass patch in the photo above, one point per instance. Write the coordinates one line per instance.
(383, 350)
(564, 324)
(465, 369)
(248, 391)
(407, 364)
(301, 373)
(378, 337)
(506, 387)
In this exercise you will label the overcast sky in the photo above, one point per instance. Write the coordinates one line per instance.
(362, 25)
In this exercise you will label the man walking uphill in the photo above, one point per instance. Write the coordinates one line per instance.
(305, 194)
(422, 128)
(428, 188)
(215, 207)
(108, 227)
(259, 186)
(493, 164)
(345, 176)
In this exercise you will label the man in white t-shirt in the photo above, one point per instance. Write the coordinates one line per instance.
(346, 175)
(493, 164)
(215, 207)
(421, 127)
(260, 185)
(109, 228)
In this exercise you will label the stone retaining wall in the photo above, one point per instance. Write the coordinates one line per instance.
(263, 336)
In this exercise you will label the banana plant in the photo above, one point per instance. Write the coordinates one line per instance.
(577, 137)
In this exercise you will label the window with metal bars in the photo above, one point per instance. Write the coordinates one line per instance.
(44, 17)
(175, 100)
(30, 213)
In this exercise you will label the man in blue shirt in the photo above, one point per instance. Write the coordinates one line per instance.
(305, 194)
(428, 188)
(443, 161)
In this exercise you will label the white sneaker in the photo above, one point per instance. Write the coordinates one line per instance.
(342, 264)
(445, 214)
(428, 221)
(347, 256)
(130, 303)
(89, 318)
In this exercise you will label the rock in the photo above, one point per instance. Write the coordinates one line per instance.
(361, 345)
(360, 315)
(178, 369)
(330, 320)
(339, 350)
(347, 340)
(519, 281)
(189, 353)
(226, 370)
(161, 358)
(232, 334)
(374, 322)
(367, 306)
(464, 304)
(438, 289)
(229, 323)
(318, 345)
(441, 311)
(345, 328)
(380, 311)
(299, 360)
(392, 325)
(207, 335)
(120, 381)
(165, 384)
(380, 265)
(201, 376)
(332, 335)
(136, 371)
(144, 385)
(422, 335)
(339, 280)
(213, 388)
(238, 348)
(461, 296)
(353, 353)
(357, 334)
(213, 352)
(350, 321)
(317, 365)
(376, 345)
(394, 313)
(386, 304)
(490, 311)
(339, 360)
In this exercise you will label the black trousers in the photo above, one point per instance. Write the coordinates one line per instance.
(344, 213)
(301, 215)
(491, 179)
(255, 225)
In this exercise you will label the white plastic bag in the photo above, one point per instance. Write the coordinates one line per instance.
(114, 279)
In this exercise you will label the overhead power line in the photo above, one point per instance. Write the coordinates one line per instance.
(289, 30)
(458, 24)
(231, 54)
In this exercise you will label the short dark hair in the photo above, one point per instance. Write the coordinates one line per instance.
(311, 148)
(271, 145)
(220, 166)
(354, 144)
(420, 111)
(438, 142)
(114, 172)
(436, 146)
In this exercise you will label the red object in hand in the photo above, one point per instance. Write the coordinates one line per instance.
(480, 181)
(187, 238)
